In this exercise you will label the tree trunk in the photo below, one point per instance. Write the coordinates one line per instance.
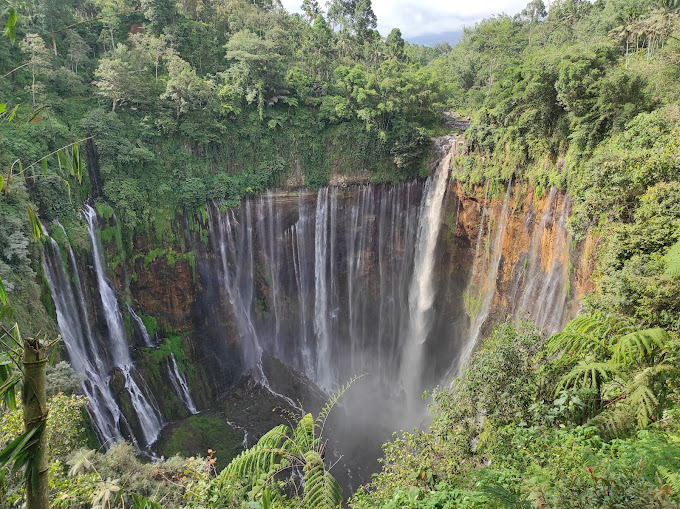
(35, 414)
(33, 84)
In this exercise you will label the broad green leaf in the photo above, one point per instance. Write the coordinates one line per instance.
(76, 162)
(14, 112)
(68, 188)
(19, 447)
(3, 293)
(63, 161)
(44, 167)
(36, 228)
(3, 108)
(10, 29)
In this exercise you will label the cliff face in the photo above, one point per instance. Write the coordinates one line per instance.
(400, 281)
(256, 278)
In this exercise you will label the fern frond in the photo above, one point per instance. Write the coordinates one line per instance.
(672, 478)
(588, 334)
(587, 375)
(639, 344)
(303, 438)
(614, 421)
(601, 325)
(322, 491)
(672, 259)
(645, 403)
(326, 410)
(259, 459)
(575, 343)
(507, 498)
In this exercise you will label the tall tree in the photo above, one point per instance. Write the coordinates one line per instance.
(311, 9)
(395, 45)
(38, 61)
(78, 49)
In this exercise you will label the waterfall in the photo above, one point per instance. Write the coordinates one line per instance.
(81, 346)
(179, 383)
(321, 326)
(234, 242)
(488, 283)
(141, 328)
(145, 407)
(544, 293)
(325, 310)
(422, 291)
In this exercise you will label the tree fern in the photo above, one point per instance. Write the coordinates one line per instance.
(637, 345)
(256, 475)
(303, 438)
(588, 334)
(587, 375)
(642, 396)
(615, 421)
(672, 479)
(321, 489)
(507, 498)
(572, 342)
(260, 458)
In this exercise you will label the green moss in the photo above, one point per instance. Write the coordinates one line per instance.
(162, 222)
(46, 300)
(156, 357)
(152, 256)
(198, 433)
(104, 210)
(538, 193)
(151, 324)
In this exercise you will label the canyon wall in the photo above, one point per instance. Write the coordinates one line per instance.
(398, 281)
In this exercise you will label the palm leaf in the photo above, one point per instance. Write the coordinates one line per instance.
(322, 491)
(80, 462)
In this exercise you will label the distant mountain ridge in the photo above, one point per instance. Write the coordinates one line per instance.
(452, 37)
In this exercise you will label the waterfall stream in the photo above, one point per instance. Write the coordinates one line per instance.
(422, 291)
(145, 406)
(338, 283)
(179, 383)
(82, 347)
(489, 282)
(98, 358)
(141, 328)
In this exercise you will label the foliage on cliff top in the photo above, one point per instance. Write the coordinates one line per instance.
(583, 97)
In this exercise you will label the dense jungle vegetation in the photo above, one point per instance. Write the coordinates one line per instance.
(177, 102)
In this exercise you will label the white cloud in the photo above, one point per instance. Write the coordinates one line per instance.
(416, 17)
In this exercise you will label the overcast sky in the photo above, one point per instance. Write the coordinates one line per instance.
(419, 17)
